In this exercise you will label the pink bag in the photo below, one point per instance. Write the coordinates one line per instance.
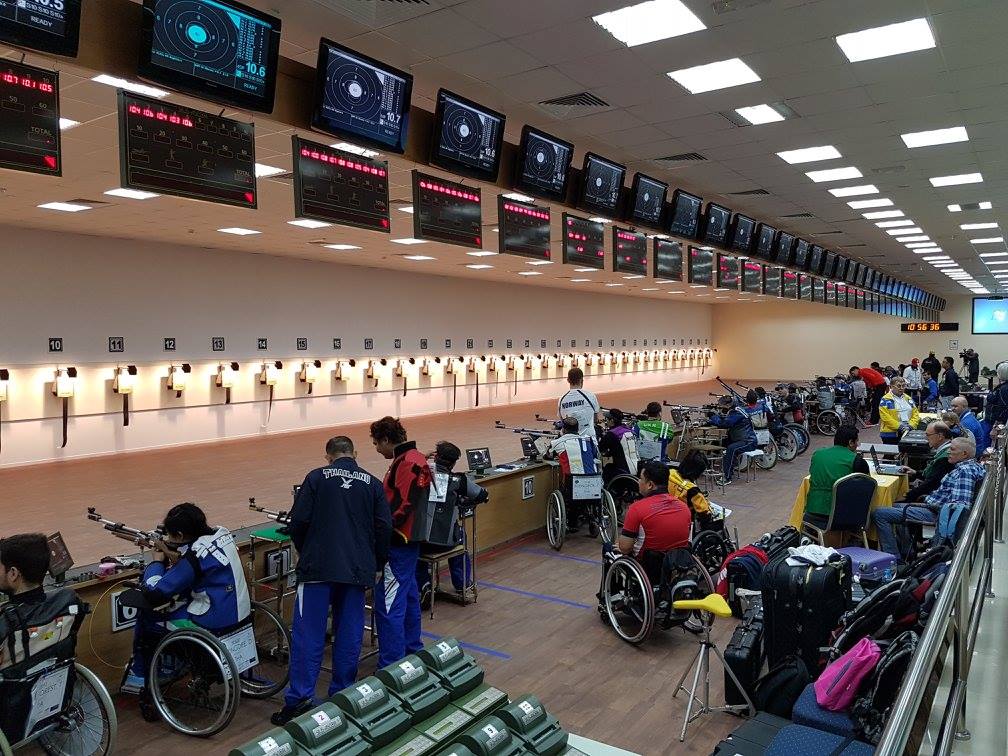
(839, 682)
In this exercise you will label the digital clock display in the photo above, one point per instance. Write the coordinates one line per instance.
(51, 26)
(928, 327)
(29, 119)
(583, 242)
(629, 252)
(447, 211)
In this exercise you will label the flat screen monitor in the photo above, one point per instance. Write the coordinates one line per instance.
(728, 272)
(49, 26)
(766, 236)
(862, 277)
(743, 231)
(647, 200)
(818, 290)
(584, 242)
(217, 50)
(784, 249)
(684, 214)
(479, 459)
(668, 260)
(853, 272)
(816, 259)
(59, 556)
(601, 184)
(467, 137)
(629, 252)
(360, 98)
(801, 255)
(523, 229)
(772, 281)
(805, 287)
(752, 277)
(990, 315)
(716, 221)
(831, 266)
(789, 284)
(543, 164)
(701, 266)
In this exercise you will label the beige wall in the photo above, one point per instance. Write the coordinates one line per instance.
(798, 340)
(86, 289)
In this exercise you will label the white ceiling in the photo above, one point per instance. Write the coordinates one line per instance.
(512, 54)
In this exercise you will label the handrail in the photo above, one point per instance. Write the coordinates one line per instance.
(953, 604)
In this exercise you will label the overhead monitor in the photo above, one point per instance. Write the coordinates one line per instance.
(583, 242)
(467, 137)
(853, 272)
(766, 237)
(217, 50)
(601, 184)
(716, 221)
(805, 287)
(447, 211)
(629, 252)
(701, 266)
(801, 255)
(742, 233)
(523, 229)
(29, 119)
(818, 290)
(361, 99)
(684, 214)
(752, 277)
(990, 315)
(333, 186)
(728, 272)
(543, 164)
(49, 26)
(816, 259)
(789, 284)
(784, 249)
(647, 200)
(830, 265)
(668, 260)
(860, 297)
(772, 281)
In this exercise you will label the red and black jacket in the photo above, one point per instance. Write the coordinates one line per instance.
(407, 484)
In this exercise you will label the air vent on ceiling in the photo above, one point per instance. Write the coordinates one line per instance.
(573, 104)
(751, 193)
(727, 6)
(969, 205)
(671, 161)
(888, 169)
(797, 215)
(852, 246)
(826, 233)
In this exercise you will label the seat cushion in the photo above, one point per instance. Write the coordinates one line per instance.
(807, 712)
(798, 740)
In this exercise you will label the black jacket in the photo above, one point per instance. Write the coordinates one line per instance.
(340, 525)
(927, 485)
(931, 365)
(949, 385)
(996, 406)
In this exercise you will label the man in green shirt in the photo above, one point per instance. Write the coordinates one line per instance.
(828, 465)
(654, 435)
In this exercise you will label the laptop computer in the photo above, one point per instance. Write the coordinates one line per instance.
(884, 469)
(479, 459)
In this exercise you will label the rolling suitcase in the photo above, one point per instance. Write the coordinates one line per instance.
(802, 605)
(744, 655)
(779, 541)
(872, 567)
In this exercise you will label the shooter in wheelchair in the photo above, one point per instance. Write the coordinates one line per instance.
(48, 699)
(652, 564)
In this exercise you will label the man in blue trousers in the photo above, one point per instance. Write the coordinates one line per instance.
(340, 525)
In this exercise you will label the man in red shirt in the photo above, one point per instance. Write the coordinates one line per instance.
(876, 384)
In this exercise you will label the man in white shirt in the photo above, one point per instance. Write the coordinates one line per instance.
(581, 404)
(914, 378)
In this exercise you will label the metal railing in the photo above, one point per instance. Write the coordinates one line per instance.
(955, 616)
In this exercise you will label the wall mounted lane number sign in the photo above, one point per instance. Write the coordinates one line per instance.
(116, 344)
(55, 344)
(262, 344)
(169, 344)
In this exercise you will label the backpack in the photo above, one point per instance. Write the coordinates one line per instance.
(949, 519)
(871, 709)
(434, 520)
(889, 610)
(839, 682)
(779, 689)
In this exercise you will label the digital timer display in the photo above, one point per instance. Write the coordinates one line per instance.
(29, 119)
(629, 252)
(447, 211)
(928, 327)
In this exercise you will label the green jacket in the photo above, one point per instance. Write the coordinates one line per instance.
(828, 465)
(939, 455)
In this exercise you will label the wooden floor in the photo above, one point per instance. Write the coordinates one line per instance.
(535, 628)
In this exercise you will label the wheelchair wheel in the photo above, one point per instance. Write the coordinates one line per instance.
(828, 422)
(802, 434)
(769, 458)
(711, 548)
(273, 643)
(556, 520)
(608, 521)
(629, 600)
(88, 725)
(787, 445)
(192, 682)
(625, 491)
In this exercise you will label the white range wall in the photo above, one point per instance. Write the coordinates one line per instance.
(84, 290)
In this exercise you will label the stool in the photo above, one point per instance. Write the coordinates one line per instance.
(433, 561)
(712, 605)
(751, 457)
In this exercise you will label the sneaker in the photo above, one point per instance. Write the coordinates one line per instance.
(288, 712)
(133, 683)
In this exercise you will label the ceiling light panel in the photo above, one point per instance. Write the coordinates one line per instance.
(904, 231)
(895, 223)
(977, 226)
(649, 21)
(956, 180)
(834, 174)
(809, 154)
(883, 214)
(854, 191)
(883, 41)
(864, 204)
(757, 115)
(938, 136)
(712, 76)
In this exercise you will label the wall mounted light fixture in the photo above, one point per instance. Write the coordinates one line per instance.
(4, 382)
(124, 383)
(227, 374)
(310, 373)
(178, 378)
(63, 388)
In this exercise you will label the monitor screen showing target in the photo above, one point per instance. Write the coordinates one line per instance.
(601, 183)
(647, 196)
(52, 26)
(685, 214)
(361, 99)
(543, 164)
(220, 51)
(990, 315)
(467, 137)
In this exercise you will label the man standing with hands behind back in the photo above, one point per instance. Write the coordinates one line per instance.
(340, 525)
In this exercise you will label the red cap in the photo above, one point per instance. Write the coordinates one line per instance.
(914, 362)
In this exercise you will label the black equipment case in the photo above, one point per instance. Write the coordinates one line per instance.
(915, 442)
(744, 655)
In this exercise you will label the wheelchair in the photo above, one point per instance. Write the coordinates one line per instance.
(196, 677)
(637, 596)
(600, 510)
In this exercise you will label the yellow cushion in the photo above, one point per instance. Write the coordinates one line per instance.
(713, 604)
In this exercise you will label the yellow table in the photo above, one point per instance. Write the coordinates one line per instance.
(891, 488)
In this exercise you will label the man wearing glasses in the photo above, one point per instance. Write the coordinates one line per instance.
(939, 438)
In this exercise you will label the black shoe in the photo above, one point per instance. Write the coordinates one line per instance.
(287, 713)
(425, 596)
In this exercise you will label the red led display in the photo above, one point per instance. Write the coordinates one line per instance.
(29, 119)
(752, 277)
(584, 242)
(145, 111)
(789, 285)
(629, 252)
(352, 165)
(446, 211)
(27, 82)
(449, 191)
(524, 229)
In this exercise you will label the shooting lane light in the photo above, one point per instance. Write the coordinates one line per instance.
(471, 366)
(178, 378)
(268, 376)
(369, 373)
(511, 363)
(647, 358)
(527, 361)
(124, 383)
(309, 373)
(227, 374)
(589, 359)
(636, 358)
(4, 394)
(63, 388)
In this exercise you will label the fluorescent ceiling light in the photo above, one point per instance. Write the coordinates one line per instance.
(936, 257)
(406, 209)
(631, 278)
(408, 240)
(130, 86)
(265, 171)
(854, 191)
(580, 280)
(895, 223)
(883, 41)
(651, 289)
(479, 266)
(809, 154)
(538, 262)
(719, 75)
(949, 264)
(419, 258)
(938, 136)
(722, 289)
(481, 253)
(905, 231)
(955, 208)
(988, 240)
(883, 214)
(918, 245)
(66, 207)
(649, 22)
(985, 206)
(697, 286)
(921, 238)
(518, 197)
(927, 251)
(986, 255)
(353, 148)
(614, 284)
(341, 247)
(599, 219)
(834, 174)
(308, 223)
(131, 194)
(676, 292)
(962, 178)
(759, 114)
(68, 123)
(529, 273)
(865, 204)
(585, 270)
(238, 231)
(977, 226)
